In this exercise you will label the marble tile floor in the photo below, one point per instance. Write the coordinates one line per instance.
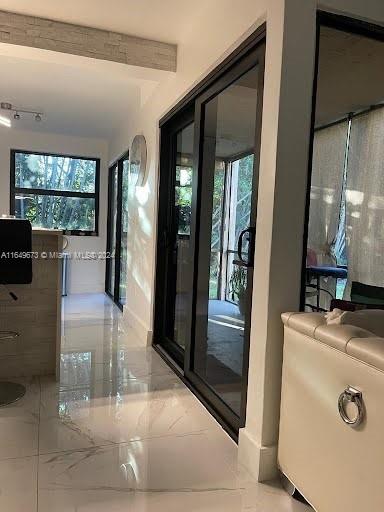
(119, 432)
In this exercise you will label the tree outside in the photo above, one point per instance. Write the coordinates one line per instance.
(240, 211)
(55, 173)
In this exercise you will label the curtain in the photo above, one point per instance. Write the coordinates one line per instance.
(329, 148)
(365, 200)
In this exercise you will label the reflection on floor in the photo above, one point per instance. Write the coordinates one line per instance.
(119, 432)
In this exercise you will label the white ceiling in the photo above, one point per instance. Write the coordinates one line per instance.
(80, 96)
(162, 20)
(76, 100)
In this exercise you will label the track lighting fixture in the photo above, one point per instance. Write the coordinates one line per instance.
(17, 110)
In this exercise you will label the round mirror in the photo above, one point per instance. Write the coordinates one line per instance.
(138, 160)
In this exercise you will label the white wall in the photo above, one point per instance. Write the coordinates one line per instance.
(291, 31)
(84, 275)
(289, 71)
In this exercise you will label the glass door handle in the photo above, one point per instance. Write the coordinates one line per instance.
(251, 243)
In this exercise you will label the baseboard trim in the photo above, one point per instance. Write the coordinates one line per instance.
(260, 461)
(132, 321)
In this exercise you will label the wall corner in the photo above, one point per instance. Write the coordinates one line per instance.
(259, 461)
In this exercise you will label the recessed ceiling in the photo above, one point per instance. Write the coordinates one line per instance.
(161, 20)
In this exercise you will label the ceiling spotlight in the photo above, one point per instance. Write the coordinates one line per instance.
(16, 116)
(38, 117)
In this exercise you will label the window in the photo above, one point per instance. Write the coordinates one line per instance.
(345, 242)
(56, 191)
(183, 198)
(117, 230)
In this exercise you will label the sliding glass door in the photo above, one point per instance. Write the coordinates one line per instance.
(208, 198)
(231, 114)
(112, 230)
(117, 233)
(123, 245)
(175, 293)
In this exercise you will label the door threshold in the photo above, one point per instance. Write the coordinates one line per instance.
(233, 434)
(168, 359)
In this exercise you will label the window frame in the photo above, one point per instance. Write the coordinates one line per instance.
(59, 193)
(118, 165)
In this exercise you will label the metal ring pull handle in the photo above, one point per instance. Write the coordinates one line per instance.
(351, 395)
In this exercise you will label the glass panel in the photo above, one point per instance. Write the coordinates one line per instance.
(242, 172)
(217, 229)
(112, 229)
(345, 235)
(56, 212)
(239, 209)
(229, 131)
(124, 232)
(181, 253)
(54, 172)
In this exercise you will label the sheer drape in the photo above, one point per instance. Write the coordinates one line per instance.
(329, 148)
(365, 200)
(327, 180)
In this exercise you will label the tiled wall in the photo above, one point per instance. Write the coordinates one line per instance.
(35, 315)
(87, 42)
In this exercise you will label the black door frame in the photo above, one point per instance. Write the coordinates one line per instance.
(189, 109)
(166, 218)
(118, 164)
(242, 66)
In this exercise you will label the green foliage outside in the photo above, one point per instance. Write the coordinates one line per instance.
(124, 232)
(183, 198)
(55, 173)
(183, 201)
(241, 211)
(244, 194)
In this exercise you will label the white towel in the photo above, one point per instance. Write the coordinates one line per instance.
(337, 316)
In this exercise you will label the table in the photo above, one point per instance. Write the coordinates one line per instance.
(320, 271)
